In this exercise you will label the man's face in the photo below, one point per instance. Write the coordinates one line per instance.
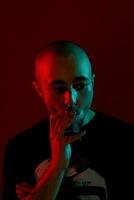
(65, 80)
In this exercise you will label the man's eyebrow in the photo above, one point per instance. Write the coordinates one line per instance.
(56, 82)
(80, 78)
(61, 82)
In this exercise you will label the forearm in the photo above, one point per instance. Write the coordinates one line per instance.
(48, 186)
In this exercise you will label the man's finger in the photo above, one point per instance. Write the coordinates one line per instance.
(71, 139)
(25, 184)
(59, 123)
(24, 189)
(20, 194)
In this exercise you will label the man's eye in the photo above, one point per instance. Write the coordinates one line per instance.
(59, 90)
(80, 86)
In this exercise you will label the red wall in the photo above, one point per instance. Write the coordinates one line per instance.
(104, 29)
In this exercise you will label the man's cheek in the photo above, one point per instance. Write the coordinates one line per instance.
(86, 100)
(89, 95)
(53, 105)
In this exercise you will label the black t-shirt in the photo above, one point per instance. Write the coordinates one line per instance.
(100, 166)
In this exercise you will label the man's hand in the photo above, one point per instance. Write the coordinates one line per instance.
(23, 189)
(60, 143)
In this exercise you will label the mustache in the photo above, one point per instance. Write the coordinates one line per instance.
(71, 108)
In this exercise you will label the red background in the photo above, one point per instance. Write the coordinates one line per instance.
(104, 28)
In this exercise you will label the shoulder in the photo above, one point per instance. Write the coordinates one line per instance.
(31, 135)
(113, 130)
(112, 122)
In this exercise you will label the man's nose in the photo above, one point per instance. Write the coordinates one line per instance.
(70, 97)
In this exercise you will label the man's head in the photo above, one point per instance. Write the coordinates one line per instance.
(64, 76)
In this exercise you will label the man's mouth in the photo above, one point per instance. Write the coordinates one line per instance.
(74, 127)
(70, 109)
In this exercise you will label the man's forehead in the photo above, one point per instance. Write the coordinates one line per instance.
(61, 67)
(63, 82)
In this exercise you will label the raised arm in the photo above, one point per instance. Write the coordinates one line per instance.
(49, 184)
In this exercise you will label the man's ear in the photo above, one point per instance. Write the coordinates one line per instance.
(93, 77)
(37, 88)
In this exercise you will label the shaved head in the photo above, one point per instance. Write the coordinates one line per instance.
(59, 48)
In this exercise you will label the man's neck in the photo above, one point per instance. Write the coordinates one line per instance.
(88, 117)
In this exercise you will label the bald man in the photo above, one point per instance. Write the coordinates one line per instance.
(76, 152)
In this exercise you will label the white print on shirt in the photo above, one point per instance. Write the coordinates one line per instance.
(88, 177)
(41, 168)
